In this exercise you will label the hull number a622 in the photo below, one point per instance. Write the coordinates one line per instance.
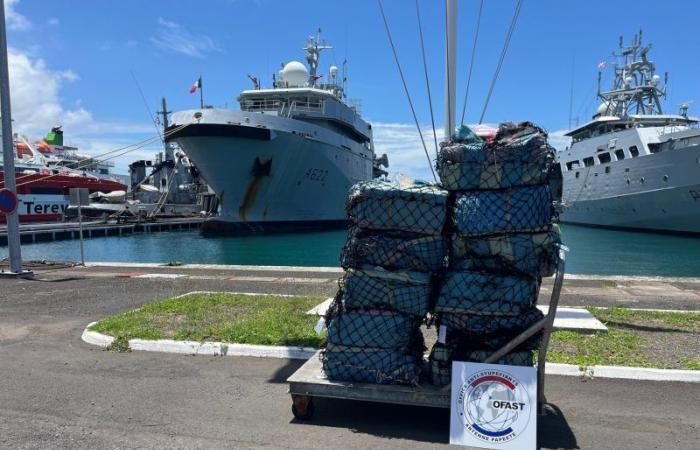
(316, 175)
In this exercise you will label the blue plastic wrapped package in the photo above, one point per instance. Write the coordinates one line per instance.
(519, 155)
(441, 357)
(465, 292)
(517, 210)
(406, 292)
(373, 328)
(394, 250)
(363, 365)
(489, 332)
(529, 254)
(380, 205)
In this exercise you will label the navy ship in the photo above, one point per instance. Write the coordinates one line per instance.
(288, 157)
(634, 166)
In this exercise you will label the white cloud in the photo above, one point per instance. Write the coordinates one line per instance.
(53, 21)
(35, 94)
(174, 37)
(15, 20)
(401, 142)
(36, 107)
(558, 140)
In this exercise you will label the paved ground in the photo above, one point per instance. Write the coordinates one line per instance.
(57, 392)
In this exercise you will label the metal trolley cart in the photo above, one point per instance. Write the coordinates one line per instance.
(309, 380)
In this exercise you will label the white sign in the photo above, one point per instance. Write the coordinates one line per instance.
(493, 406)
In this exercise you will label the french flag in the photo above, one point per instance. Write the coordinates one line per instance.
(197, 85)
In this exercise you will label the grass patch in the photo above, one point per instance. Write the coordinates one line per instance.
(634, 338)
(243, 319)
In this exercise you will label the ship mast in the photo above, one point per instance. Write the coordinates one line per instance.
(313, 51)
(169, 155)
(450, 66)
(635, 87)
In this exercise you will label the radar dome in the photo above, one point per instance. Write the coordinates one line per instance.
(655, 80)
(603, 108)
(333, 70)
(295, 74)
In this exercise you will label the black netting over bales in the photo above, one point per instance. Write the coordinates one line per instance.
(365, 365)
(405, 292)
(380, 205)
(394, 250)
(517, 210)
(373, 328)
(488, 332)
(518, 156)
(488, 294)
(442, 356)
(528, 254)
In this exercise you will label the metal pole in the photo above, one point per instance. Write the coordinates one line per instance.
(80, 227)
(8, 150)
(450, 66)
(201, 93)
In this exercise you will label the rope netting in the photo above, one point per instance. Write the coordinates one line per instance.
(381, 205)
(469, 260)
(519, 155)
(393, 250)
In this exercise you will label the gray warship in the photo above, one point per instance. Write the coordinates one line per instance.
(634, 166)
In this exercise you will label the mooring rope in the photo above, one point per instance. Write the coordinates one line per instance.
(405, 88)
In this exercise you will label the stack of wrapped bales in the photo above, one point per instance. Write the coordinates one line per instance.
(394, 247)
(502, 243)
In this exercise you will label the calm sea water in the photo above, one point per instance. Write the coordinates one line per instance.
(592, 251)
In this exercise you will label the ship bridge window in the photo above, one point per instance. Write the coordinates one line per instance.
(619, 154)
(654, 148)
(571, 165)
(604, 158)
(588, 162)
(634, 151)
(45, 191)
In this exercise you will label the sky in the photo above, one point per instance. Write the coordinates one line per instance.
(84, 63)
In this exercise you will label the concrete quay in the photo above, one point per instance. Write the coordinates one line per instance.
(59, 392)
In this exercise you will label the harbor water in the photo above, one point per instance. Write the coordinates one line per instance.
(592, 250)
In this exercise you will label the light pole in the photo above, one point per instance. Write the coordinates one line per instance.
(8, 154)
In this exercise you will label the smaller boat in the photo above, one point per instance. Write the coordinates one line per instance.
(43, 188)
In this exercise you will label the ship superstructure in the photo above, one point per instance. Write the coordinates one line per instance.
(288, 157)
(634, 166)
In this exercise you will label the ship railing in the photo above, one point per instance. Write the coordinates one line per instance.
(307, 106)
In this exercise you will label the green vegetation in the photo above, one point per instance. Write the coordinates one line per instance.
(634, 338)
(243, 319)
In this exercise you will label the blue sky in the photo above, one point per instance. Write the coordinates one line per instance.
(71, 60)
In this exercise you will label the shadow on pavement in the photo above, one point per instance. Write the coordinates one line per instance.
(382, 419)
(422, 424)
(286, 371)
(553, 430)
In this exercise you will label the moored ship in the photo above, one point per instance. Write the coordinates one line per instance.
(288, 157)
(633, 166)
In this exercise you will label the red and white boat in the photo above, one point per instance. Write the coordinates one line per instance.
(45, 177)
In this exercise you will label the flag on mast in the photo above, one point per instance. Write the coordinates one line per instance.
(602, 64)
(197, 85)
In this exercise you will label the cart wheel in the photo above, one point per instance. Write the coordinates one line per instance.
(302, 407)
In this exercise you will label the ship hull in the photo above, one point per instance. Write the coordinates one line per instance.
(271, 179)
(657, 192)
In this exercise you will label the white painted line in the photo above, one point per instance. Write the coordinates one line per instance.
(95, 338)
(321, 308)
(623, 372)
(217, 267)
(201, 348)
(234, 293)
(567, 276)
(263, 351)
(159, 275)
(682, 311)
(575, 319)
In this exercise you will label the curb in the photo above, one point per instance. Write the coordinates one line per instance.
(265, 351)
(201, 348)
